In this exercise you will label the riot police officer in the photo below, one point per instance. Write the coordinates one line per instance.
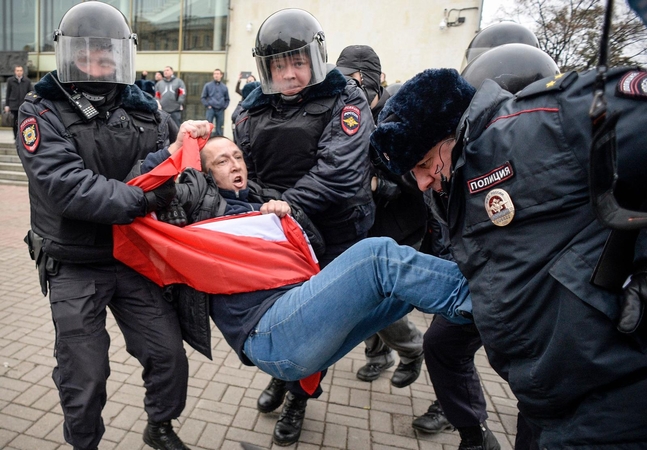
(305, 133)
(496, 35)
(512, 66)
(513, 184)
(82, 132)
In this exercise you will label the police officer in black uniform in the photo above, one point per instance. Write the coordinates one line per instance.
(514, 188)
(82, 132)
(305, 133)
(450, 348)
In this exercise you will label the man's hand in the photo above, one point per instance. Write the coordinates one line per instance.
(160, 197)
(173, 214)
(632, 303)
(384, 190)
(278, 207)
(192, 128)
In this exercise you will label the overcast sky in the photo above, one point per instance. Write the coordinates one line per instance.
(492, 7)
(489, 9)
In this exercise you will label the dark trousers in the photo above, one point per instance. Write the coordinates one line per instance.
(15, 123)
(177, 117)
(79, 295)
(449, 355)
(217, 116)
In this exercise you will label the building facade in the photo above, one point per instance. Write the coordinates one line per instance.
(197, 36)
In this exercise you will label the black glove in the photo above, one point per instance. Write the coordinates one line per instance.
(173, 214)
(160, 197)
(386, 190)
(632, 303)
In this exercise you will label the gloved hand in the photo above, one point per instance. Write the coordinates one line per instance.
(173, 214)
(385, 190)
(632, 304)
(160, 197)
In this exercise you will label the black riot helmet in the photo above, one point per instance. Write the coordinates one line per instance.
(499, 34)
(393, 88)
(289, 36)
(511, 66)
(94, 44)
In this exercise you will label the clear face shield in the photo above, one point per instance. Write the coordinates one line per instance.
(94, 59)
(290, 72)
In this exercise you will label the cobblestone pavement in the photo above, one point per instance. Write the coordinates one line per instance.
(221, 407)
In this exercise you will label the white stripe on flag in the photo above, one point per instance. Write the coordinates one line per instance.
(264, 226)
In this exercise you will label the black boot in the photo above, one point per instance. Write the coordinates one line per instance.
(405, 374)
(272, 397)
(160, 436)
(288, 427)
(433, 421)
(371, 371)
(478, 438)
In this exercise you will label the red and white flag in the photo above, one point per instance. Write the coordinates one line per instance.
(226, 255)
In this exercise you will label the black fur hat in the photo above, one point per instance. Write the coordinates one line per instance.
(425, 110)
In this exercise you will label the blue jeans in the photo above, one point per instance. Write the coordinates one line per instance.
(219, 115)
(365, 289)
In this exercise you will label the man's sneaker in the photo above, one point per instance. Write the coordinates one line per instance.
(405, 374)
(160, 436)
(288, 427)
(272, 397)
(478, 438)
(433, 421)
(372, 371)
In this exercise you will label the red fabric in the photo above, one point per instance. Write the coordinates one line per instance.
(207, 260)
(187, 156)
(211, 261)
(310, 383)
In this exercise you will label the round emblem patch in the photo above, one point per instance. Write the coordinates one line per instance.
(350, 119)
(499, 207)
(29, 134)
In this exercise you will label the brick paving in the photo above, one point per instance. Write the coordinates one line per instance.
(221, 405)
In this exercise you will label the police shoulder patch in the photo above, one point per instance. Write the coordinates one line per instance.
(633, 84)
(350, 119)
(29, 134)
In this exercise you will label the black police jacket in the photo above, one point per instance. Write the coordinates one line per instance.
(315, 152)
(524, 234)
(75, 169)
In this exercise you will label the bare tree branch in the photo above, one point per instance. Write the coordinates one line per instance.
(570, 32)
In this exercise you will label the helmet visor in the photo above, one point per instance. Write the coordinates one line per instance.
(290, 72)
(94, 59)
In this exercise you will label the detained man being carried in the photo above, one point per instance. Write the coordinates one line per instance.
(300, 328)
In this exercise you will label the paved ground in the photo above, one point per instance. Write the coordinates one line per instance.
(6, 135)
(221, 408)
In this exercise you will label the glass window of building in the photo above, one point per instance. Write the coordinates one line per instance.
(121, 5)
(18, 25)
(51, 12)
(205, 25)
(157, 24)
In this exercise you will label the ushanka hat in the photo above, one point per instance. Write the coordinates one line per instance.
(425, 110)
